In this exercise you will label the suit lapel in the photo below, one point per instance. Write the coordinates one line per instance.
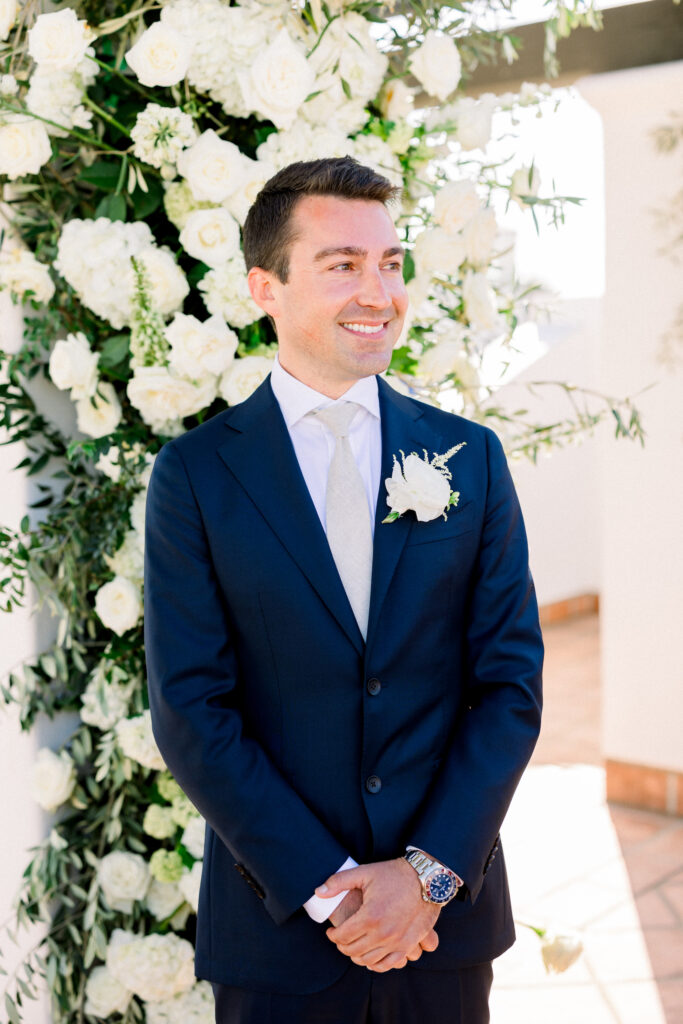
(259, 453)
(402, 430)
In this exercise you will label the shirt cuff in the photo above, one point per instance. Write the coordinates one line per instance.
(320, 909)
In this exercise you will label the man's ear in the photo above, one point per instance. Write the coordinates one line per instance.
(261, 288)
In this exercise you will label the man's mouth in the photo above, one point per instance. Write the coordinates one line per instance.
(365, 328)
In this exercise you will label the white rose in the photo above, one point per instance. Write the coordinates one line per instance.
(21, 272)
(52, 779)
(155, 967)
(136, 740)
(436, 64)
(119, 605)
(57, 42)
(480, 301)
(445, 358)
(190, 882)
(8, 15)
(123, 878)
(436, 251)
(73, 365)
(256, 174)
(278, 81)
(243, 377)
(479, 235)
(194, 1007)
(167, 283)
(105, 995)
(455, 203)
(396, 100)
(560, 951)
(163, 899)
(24, 146)
(100, 418)
(525, 182)
(212, 236)
(474, 119)
(193, 837)
(160, 396)
(213, 167)
(418, 486)
(200, 348)
(161, 56)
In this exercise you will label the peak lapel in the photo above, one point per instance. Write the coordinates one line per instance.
(259, 453)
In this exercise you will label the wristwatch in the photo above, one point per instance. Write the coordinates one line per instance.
(439, 884)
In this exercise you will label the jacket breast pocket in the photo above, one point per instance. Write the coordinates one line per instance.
(458, 521)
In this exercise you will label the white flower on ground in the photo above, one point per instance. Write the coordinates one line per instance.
(136, 740)
(526, 181)
(480, 301)
(163, 899)
(194, 1007)
(479, 235)
(24, 146)
(119, 604)
(21, 272)
(160, 134)
(436, 251)
(455, 203)
(52, 779)
(100, 418)
(190, 882)
(158, 822)
(436, 64)
(161, 56)
(154, 967)
(225, 292)
(73, 365)
(193, 837)
(417, 486)
(104, 701)
(159, 396)
(200, 348)
(474, 119)
(8, 15)
(212, 236)
(57, 42)
(560, 950)
(243, 377)
(105, 995)
(278, 81)
(123, 878)
(213, 167)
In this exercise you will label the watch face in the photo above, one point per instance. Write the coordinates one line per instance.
(441, 886)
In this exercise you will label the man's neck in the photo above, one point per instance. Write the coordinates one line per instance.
(330, 388)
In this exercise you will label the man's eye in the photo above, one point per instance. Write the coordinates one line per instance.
(341, 266)
(394, 265)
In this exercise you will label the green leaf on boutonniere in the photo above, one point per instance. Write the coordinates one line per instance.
(391, 517)
(454, 499)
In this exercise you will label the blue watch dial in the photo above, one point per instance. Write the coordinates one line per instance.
(441, 886)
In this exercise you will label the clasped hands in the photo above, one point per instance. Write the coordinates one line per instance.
(382, 922)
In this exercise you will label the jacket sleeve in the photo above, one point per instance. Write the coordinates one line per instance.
(193, 681)
(496, 734)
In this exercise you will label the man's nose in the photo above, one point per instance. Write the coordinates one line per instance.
(373, 290)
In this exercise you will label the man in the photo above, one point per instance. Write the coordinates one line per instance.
(331, 689)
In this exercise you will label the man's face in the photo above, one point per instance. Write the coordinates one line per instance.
(341, 311)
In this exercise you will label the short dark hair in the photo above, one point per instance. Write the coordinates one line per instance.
(268, 231)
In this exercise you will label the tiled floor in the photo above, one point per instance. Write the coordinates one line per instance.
(612, 873)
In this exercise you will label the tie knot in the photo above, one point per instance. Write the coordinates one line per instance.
(337, 418)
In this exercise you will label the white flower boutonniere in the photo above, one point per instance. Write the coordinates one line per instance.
(422, 485)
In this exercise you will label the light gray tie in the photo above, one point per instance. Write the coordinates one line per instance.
(347, 517)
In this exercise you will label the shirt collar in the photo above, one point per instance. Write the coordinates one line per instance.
(296, 399)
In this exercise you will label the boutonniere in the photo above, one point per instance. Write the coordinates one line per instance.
(422, 485)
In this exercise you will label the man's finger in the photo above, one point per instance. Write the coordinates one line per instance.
(430, 941)
(416, 953)
(352, 878)
(393, 961)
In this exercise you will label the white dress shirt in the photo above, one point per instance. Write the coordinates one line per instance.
(314, 445)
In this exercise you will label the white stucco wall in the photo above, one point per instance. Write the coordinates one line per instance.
(641, 491)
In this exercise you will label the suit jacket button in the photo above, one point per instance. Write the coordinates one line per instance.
(374, 686)
(373, 783)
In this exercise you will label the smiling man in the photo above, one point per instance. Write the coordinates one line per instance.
(349, 702)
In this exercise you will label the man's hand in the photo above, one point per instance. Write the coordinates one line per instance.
(348, 906)
(393, 924)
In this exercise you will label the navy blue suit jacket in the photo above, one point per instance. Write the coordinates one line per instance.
(258, 677)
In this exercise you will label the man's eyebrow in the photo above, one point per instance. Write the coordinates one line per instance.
(354, 250)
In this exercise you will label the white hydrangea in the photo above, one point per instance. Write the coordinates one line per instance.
(128, 560)
(73, 365)
(160, 396)
(100, 413)
(179, 202)
(303, 141)
(163, 899)
(167, 283)
(57, 96)
(194, 1007)
(58, 41)
(160, 134)
(21, 272)
(136, 740)
(213, 167)
(278, 80)
(480, 301)
(123, 878)
(200, 348)
(52, 779)
(104, 994)
(193, 837)
(212, 236)
(137, 514)
(455, 203)
(243, 377)
(106, 700)
(154, 967)
(190, 882)
(479, 236)
(437, 251)
(161, 56)
(474, 118)
(8, 83)
(376, 153)
(436, 64)
(158, 822)
(24, 145)
(119, 604)
(225, 292)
